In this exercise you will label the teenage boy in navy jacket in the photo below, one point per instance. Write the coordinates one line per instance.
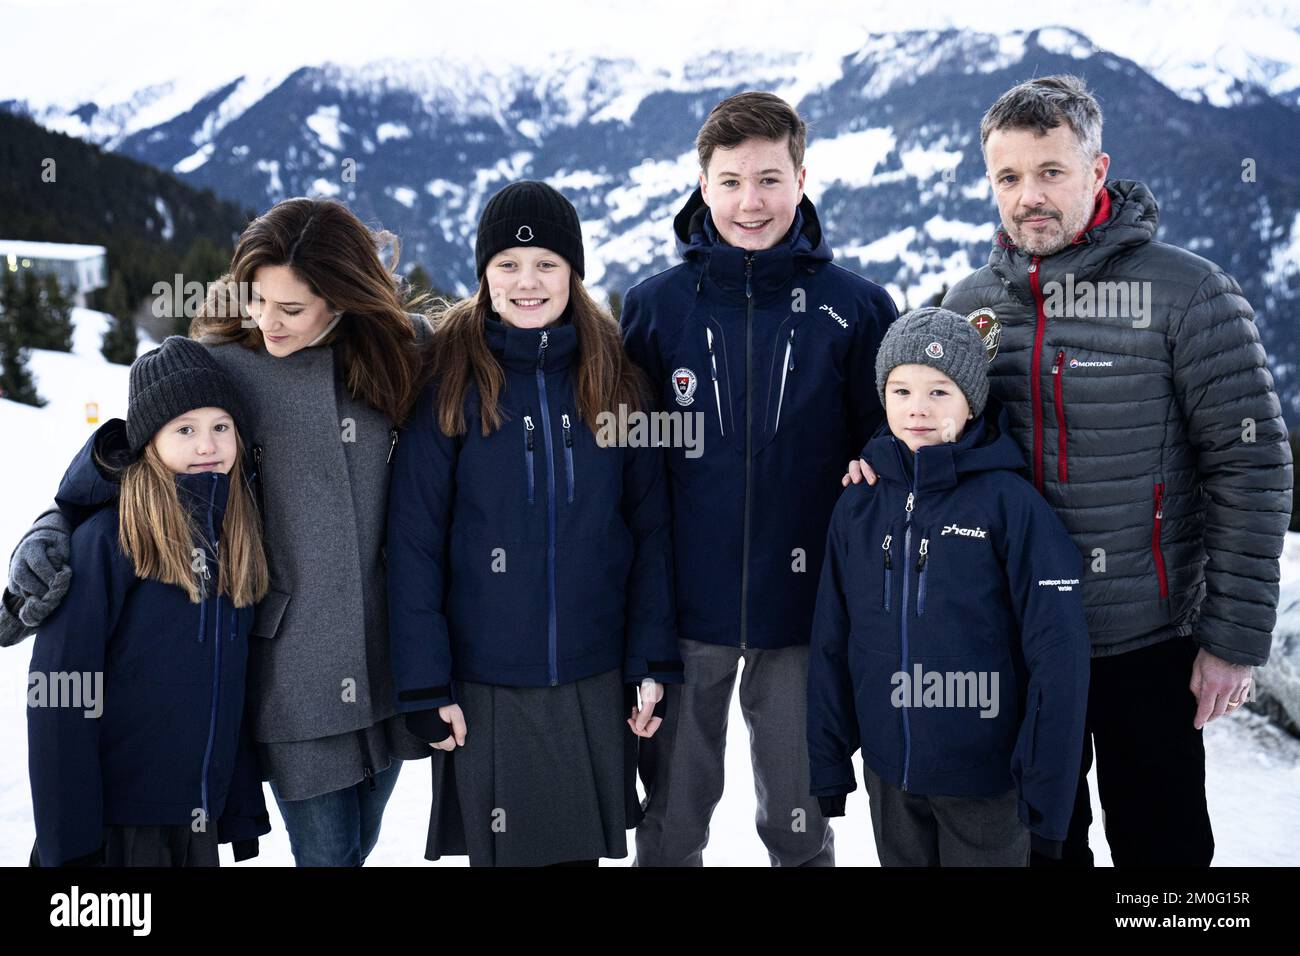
(771, 348)
(950, 644)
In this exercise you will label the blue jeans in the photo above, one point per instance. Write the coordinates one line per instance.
(339, 828)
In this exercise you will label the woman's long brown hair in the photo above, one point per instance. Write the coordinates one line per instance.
(605, 377)
(337, 256)
(157, 534)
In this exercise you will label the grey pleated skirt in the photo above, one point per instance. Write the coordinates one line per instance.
(546, 775)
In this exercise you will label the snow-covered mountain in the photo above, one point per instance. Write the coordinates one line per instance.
(893, 163)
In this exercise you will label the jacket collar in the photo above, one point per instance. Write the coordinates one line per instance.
(521, 349)
(803, 248)
(984, 445)
(1125, 218)
(204, 496)
(86, 486)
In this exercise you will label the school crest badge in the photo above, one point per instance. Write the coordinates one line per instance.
(684, 383)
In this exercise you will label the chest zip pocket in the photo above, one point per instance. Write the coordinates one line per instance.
(889, 568)
(528, 453)
(920, 576)
(568, 452)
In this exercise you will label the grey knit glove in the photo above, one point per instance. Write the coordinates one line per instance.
(39, 576)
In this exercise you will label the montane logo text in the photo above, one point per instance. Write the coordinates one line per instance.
(965, 532)
(1077, 363)
(835, 315)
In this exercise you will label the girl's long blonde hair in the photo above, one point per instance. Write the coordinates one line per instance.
(158, 535)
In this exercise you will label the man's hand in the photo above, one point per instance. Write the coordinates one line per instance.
(859, 471)
(1219, 687)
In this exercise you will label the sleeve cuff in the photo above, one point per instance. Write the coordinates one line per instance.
(240, 829)
(428, 726)
(637, 669)
(1045, 847)
(833, 806)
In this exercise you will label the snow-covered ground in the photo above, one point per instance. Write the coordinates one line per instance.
(1253, 769)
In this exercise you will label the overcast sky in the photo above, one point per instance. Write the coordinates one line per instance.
(56, 50)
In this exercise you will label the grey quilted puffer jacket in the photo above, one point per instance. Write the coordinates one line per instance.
(1141, 397)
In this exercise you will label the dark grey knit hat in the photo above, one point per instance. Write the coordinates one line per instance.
(529, 213)
(943, 340)
(177, 377)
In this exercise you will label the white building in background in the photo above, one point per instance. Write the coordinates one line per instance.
(80, 269)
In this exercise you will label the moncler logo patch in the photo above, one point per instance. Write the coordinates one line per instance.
(990, 329)
(934, 350)
(684, 383)
(965, 532)
(525, 234)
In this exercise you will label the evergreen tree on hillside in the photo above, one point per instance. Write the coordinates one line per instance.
(16, 383)
(418, 281)
(204, 262)
(40, 313)
(121, 341)
(56, 314)
(23, 307)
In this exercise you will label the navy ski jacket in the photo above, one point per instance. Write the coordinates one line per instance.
(951, 565)
(774, 353)
(170, 746)
(531, 557)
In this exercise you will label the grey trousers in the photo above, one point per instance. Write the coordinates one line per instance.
(682, 765)
(915, 830)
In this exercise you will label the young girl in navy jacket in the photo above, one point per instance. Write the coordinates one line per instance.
(136, 746)
(949, 643)
(529, 564)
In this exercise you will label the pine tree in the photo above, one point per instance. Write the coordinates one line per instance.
(204, 263)
(16, 383)
(23, 307)
(121, 342)
(418, 280)
(616, 305)
(56, 316)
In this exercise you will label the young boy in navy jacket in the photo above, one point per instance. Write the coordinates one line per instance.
(769, 346)
(137, 749)
(949, 642)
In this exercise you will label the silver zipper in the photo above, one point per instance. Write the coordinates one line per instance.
(713, 372)
(786, 366)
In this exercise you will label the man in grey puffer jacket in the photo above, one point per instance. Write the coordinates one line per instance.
(1141, 396)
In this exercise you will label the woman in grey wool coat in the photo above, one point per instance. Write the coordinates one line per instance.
(311, 326)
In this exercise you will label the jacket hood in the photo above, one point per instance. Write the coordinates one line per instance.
(985, 445)
(85, 486)
(698, 242)
(88, 485)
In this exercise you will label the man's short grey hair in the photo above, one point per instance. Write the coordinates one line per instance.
(1042, 104)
